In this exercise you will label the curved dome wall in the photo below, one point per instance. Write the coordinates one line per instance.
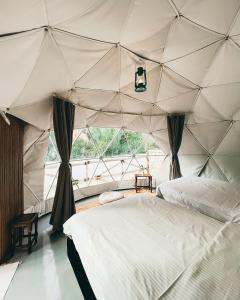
(86, 52)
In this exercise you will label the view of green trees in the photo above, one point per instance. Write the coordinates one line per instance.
(95, 142)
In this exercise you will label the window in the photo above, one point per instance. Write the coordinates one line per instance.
(101, 155)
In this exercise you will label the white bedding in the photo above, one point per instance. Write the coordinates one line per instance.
(215, 273)
(217, 199)
(137, 247)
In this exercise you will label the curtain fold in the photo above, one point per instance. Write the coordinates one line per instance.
(175, 125)
(63, 122)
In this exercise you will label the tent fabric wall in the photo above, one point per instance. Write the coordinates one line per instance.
(86, 52)
(35, 145)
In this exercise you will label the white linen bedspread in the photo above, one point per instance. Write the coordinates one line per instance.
(215, 274)
(137, 247)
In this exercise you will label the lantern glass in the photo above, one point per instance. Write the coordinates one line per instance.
(140, 78)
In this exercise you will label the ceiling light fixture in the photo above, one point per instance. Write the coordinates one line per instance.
(140, 77)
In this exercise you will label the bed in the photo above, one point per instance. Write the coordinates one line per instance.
(144, 247)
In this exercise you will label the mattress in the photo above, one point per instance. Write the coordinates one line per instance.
(139, 246)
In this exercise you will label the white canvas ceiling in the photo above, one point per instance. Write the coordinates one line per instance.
(86, 51)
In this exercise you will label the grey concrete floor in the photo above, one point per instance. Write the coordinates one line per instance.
(45, 274)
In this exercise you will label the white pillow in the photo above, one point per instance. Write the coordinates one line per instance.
(110, 196)
(217, 199)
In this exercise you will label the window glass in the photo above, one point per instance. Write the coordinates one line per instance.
(102, 155)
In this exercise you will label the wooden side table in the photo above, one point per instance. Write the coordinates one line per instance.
(137, 186)
(21, 223)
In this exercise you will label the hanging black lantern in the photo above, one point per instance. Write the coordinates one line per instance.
(140, 77)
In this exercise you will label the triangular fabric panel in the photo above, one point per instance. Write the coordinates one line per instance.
(161, 137)
(137, 123)
(212, 170)
(22, 51)
(134, 106)
(231, 143)
(37, 114)
(82, 115)
(164, 170)
(203, 111)
(214, 136)
(91, 98)
(173, 85)
(194, 66)
(235, 29)
(204, 12)
(16, 16)
(96, 19)
(224, 99)
(229, 166)
(192, 165)
(50, 181)
(157, 123)
(152, 46)
(236, 39)
(190, 145)
(46, 78)
(114, 105)
(185, 38)
(223, 70)
(181, 103)
(114, 120)
(157, 12)
(80, 54)
(106, 73)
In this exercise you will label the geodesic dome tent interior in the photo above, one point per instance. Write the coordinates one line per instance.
(86, 52)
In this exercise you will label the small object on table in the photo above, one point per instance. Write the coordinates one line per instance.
(21, 223)
(110, 196)
(142, 176)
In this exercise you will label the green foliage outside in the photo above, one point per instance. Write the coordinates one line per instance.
(109, 141)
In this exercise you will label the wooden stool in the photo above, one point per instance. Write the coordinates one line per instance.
(22, 222)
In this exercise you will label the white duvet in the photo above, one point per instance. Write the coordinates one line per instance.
(140, 247)
(215, 273)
